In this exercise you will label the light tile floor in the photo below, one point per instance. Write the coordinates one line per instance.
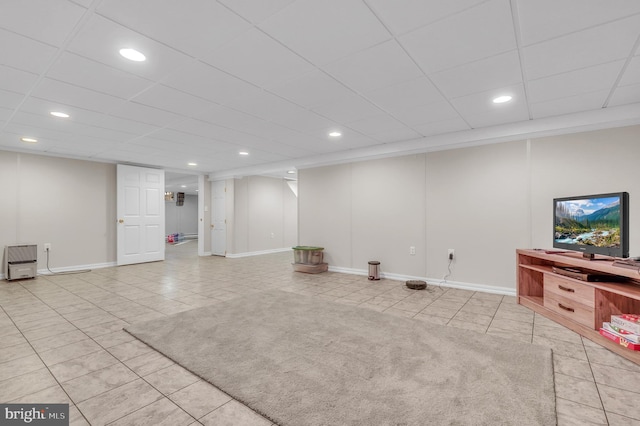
(61, 339)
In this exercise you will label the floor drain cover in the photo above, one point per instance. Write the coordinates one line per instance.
(416, 284)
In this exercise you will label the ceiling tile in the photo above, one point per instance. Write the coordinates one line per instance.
(83, 3)
(257, 58)
(256, 11)
(377, 124)
(169, 99)
(69, 127)
(590, 47)
(573, 83)
(264, 105)
(441, 127)
(5, 113)
(15, 80)
(348, 109)
(396, 135)
(570, 104)
(87, 73)
(422, 114)
(269, 107)
(632, 73)
(64, 93)
(43, 135)
(479, 110)
(479, 76)
(48, 21)
(538, 24)
(311, 89)
(405, 15)
(374, 68)
(324, 31)
(349, 140)
(477, 33)
(205, 81)
(167, 22)
(101, 40)
(144, 114)
(233, 119)
(10, 100)
(419, 91)
(625, 95)
(13, 48)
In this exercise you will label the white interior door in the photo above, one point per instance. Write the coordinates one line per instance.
(140, 209)
(218, 219)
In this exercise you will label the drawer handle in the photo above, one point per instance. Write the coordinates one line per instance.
(570, 290)
(561, 306)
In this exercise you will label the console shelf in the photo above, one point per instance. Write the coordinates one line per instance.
(581, 306)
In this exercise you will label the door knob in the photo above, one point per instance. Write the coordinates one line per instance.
(121, 221)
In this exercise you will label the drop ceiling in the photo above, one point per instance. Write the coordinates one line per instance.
(274, 77)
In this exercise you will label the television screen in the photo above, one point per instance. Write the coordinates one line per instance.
(593, 224)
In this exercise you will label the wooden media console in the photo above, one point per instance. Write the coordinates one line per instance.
(583, 303)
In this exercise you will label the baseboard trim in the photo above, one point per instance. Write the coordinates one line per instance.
(76, 268)
(256, 253)
(431, 281)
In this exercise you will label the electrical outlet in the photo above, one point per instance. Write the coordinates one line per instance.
(412, 250)
(450, 254)
(47, 247)
(273, 235)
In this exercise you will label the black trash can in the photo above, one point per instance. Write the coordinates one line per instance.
(374, 270)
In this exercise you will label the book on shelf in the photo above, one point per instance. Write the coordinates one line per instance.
(623, 322)
(633, 338)
(631, 317)
(619, 340)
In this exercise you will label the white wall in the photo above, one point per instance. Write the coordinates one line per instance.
(68, 203)
(583, 164)
(482, 201)
(263, 216)
(182, 219)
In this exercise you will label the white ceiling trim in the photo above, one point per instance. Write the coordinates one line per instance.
(621, 116)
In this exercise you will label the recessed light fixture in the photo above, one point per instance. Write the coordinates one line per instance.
(192, 164)
(59, 114)
(502, 99)
(335, 134)
(29, 140)
(132, 55)
(183, 186)
(243, 153)
(291, 172)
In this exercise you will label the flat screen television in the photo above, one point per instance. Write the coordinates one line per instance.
(592, 224)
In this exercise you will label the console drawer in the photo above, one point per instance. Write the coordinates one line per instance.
(574, 291)
(569, 308)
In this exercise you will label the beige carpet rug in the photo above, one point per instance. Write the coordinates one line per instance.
(299, 360)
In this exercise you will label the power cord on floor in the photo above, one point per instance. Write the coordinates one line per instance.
(64, 273)
(444, 279)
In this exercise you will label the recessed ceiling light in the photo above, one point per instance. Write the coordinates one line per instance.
(192, 164)
(291, 172)
(243, 153)
(132, 55)
(335, 134)
(29, 140)
(183, 186)
(502, 99)
(59, 114)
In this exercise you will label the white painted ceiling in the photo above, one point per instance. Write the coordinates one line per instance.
(274, 77)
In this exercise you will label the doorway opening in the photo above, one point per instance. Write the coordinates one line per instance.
(181, 215)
